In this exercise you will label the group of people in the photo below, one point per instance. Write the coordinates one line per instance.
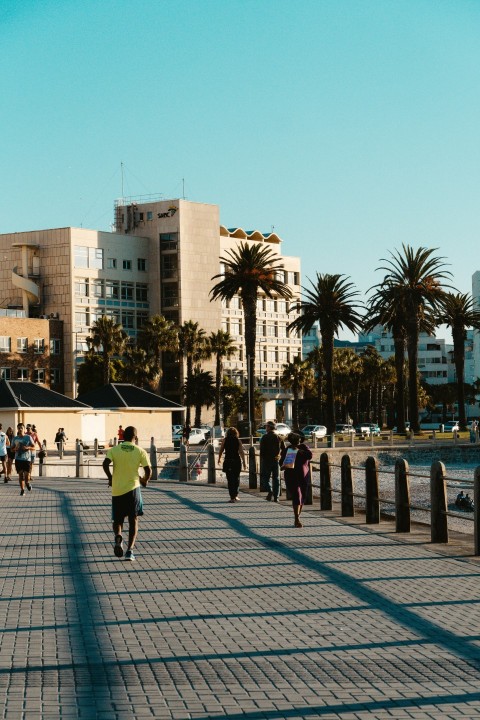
(464, 502)
(19, 448)
(275, 456)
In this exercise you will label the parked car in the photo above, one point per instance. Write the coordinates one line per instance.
(282, 429)
(452, 425)
(309, 431)
(343, 429)
(197, 436)
(407, 426)
(176, 429)
(375, 429)
(363, 429)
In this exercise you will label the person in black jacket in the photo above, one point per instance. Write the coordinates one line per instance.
(232, 446)
(271, 445)
(295, 461)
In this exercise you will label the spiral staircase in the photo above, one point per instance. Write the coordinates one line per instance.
(21, 278)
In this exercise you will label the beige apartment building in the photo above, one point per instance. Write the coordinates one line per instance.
(160, 258)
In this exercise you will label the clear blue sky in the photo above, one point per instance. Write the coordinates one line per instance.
(350, 127)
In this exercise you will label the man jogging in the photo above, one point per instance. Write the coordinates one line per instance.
(127, 458)
(23, 445)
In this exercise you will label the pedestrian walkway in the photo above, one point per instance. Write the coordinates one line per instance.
(228, 612)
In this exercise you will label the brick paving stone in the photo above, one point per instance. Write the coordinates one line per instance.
(227, 612)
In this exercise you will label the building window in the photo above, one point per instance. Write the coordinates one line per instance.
(39, 375)
(112, 289)
(168, 241)
(88, 257)
(235, 327)
(142, 318)
(149, 215)
(128, 320)
(54, 346)
(271, 330)
(5, 373)
(38, 346)
(141, 264)
(55, 376)
(95, 258)
(127, 264)
(97, 288)
(5, 344)
(81, 287)
(22, 374)
(281, 306)
(127, 291)
(112, 263)
(282, 330)
(141, 292)
(81, 256)
(170, 267)
(82, 319)
(170, 295)
(22, 345)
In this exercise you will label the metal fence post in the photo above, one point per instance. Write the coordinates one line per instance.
(352, 439)
(95, 447)
(309, 494)
(372, 503)
(325, 483)
(183, 464)
(61, 449)
(153, 459)
(211, 469)
(438, 502)
(252, 469)
(332, 440)
(78, 459)
(476, 516)
(347, 487)
(402, 496)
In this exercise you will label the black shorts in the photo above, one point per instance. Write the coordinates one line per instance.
(11, 454)
(23, 466)
(128, 505)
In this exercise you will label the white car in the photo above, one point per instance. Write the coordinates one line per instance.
(452, 425)
(318, 431)
(281, 429)
(342, 429)
(197, 436)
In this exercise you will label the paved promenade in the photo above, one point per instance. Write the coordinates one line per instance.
(228, 612)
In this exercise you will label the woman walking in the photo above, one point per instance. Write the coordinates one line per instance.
(234, 460)
(295, 462)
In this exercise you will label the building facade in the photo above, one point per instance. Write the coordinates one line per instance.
(160, 259)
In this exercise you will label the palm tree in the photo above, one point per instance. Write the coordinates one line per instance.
(347, 370)
(249, 269)
(200, 391)
(315, 358)
(139, 368)
(158, 335)
(222, 346)
(415, 277)
(192, 346)
(330, 301)
(460, 313)
(108, 337)
(297, 375)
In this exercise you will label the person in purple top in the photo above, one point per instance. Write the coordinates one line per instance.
(295, 462)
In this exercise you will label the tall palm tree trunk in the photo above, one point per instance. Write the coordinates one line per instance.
(218, 380)
(250, 317)
(399, 344)
(329, 400)
(459, 359)
(412, 351)
(188, 379)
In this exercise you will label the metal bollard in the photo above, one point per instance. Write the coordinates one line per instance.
(252, 469)
(153, 459)
(402, 496)
(325, 483)
(348, 509)
(309, 494)
(438, 503)
(211, 469)
(372, 502)
(95, 447)
(61, 449)
(183, 464)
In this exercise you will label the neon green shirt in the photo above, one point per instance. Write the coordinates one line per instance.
(126, 458)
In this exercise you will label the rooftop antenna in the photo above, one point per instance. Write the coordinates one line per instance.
(121, 171)
(183, 188)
